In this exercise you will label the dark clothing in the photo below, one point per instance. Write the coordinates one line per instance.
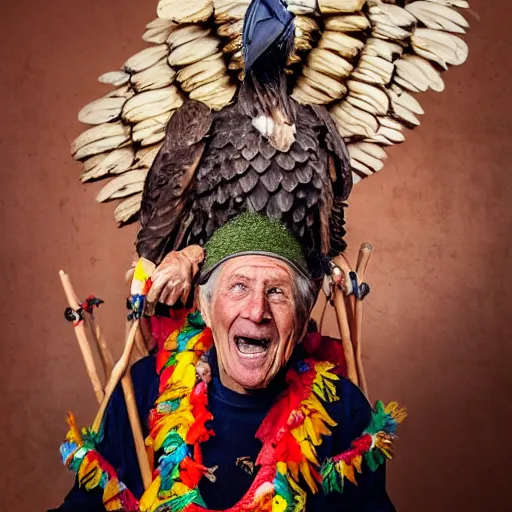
(236, 420)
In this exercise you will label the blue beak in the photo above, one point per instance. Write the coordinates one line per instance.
(266, 22)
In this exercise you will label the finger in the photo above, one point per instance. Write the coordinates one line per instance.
(194, 253)
(175, 293)
(156, 288)
(185, 292)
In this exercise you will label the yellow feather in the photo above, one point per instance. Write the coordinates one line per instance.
(348, 472)
(356, 462)
(150, 496)
(300, 496)
(91, 471)
(173, 394)
(279, 504)
(314, 404)
(282, 468)
(110, 492)
(185, 374)
(179, 489)
(183, 419)
(306, 473)
(73, 435)
(192, 341)
(171, 342)
(398, 413)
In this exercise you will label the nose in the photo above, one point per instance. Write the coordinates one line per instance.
(257, 308)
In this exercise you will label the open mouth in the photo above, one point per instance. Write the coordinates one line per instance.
(247, 345)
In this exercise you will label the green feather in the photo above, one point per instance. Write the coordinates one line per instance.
(332, 481)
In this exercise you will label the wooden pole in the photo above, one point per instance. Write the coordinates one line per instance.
(344, 328)
(120, 373)
(362, 264)
(106, 356)
(140, 342)
(83, 343)
(138, 437)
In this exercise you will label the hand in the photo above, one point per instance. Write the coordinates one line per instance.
(172, 279)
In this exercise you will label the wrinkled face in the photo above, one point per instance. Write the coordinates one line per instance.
(253, 318)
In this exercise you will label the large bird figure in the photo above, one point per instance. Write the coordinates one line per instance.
(229, 118)
(264, 153)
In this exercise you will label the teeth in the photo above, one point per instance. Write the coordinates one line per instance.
(125, 91)
(324, 83)
(304, 92)
(391, 21)
(251, 345)
(221, 85)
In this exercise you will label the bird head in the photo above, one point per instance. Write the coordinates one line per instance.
(268, 36)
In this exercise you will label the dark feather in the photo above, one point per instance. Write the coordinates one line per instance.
(226, 166)
(169, 179)
(258, 199)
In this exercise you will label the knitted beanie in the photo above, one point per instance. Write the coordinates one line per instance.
(253, 233)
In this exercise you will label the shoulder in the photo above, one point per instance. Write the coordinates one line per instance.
(351, 412)
(352, 404)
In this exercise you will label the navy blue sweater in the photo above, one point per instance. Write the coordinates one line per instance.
(236, 420)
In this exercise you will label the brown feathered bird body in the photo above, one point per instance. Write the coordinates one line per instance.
(265, 153)
(214, 165)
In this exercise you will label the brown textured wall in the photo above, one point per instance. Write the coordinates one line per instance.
(437, 332)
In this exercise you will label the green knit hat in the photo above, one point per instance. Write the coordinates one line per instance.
(252, 233)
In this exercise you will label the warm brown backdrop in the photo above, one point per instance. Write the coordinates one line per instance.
(438, 335)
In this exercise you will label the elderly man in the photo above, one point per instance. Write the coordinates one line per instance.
(244, 415)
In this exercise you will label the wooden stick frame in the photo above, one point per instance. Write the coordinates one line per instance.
(81, 336)
(119, 372)
(349, 315)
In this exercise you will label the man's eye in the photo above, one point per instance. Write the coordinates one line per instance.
(239, 287)
(275, 291)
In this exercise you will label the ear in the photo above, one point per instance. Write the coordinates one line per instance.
(204, 308)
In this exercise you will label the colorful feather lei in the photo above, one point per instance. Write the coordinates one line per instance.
(290, 435)
(79, 454)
